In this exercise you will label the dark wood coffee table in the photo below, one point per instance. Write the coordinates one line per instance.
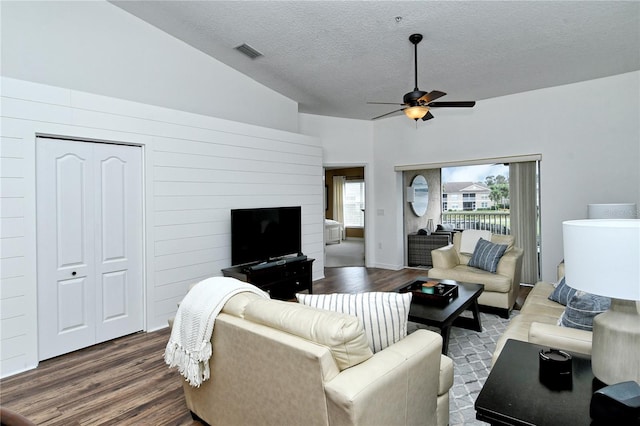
(514, 395)
(444, 317)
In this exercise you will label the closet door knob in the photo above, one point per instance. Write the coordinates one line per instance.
(73, 273)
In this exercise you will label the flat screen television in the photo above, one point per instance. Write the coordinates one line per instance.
(264, 234)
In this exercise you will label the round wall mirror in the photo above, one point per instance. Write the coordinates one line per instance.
(421, 195)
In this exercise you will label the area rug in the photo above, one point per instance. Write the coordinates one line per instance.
(471, 353)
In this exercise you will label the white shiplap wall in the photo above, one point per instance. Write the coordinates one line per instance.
(197, 168)
(14, 296)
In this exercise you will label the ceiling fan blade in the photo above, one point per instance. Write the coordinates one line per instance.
(427, 116)
(453, 104)
(419, 99)
(389, 113)
(384, 103)
(431, 96)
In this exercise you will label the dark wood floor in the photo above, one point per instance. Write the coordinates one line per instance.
(126, 382)
(357, 279)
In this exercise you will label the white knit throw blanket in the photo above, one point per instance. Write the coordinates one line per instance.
(189, 347)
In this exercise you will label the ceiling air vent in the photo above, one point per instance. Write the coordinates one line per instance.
(248, 50)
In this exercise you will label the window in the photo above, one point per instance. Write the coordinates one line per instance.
(354, 203)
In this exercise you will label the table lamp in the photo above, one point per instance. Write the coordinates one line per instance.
(602, 256)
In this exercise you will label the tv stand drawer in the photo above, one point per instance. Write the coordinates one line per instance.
(280, 281)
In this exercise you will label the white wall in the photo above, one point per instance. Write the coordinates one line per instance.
(197, 168)
(587, 133)
(348, 143)
(96, 47)
(344, 141)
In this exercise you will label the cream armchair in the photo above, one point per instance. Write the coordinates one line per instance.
(500, 288)
(282, 363)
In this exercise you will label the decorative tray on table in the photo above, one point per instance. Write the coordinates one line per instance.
(433, 292)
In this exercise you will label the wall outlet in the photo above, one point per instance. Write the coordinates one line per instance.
(379, 245)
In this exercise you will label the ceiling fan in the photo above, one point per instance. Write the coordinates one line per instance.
(416, 104)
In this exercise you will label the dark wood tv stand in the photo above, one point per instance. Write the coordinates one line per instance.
(280, 281)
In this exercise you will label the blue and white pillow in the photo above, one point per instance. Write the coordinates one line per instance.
(486, 255)
(384, 315)
(582, 308)
(562, 293)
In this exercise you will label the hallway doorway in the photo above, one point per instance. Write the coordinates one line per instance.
(345, 205)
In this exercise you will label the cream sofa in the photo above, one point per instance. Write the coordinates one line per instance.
(500, 288)
(537, 323)
(268, 369)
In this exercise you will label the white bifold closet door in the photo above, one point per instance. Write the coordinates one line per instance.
(89, 233)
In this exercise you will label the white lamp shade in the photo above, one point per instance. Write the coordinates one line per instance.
(612, 211)
(602, 256)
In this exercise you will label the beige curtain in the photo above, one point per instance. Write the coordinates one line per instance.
(523, 190)
(338, 198)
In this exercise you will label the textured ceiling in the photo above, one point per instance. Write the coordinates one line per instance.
(332, 57)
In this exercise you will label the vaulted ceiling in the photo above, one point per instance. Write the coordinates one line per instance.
(332, 57)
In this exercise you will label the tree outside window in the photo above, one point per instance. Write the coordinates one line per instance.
(499, 186)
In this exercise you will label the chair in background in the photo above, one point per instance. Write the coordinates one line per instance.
(446, 229)
(500, 288)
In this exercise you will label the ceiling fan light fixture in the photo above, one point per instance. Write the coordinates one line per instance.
(416, 104)
(416, 112)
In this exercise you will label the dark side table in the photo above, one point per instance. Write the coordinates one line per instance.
(514, 395)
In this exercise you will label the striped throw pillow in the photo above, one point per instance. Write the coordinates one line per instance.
(383, 315)
(582, 309)
(487, 255)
